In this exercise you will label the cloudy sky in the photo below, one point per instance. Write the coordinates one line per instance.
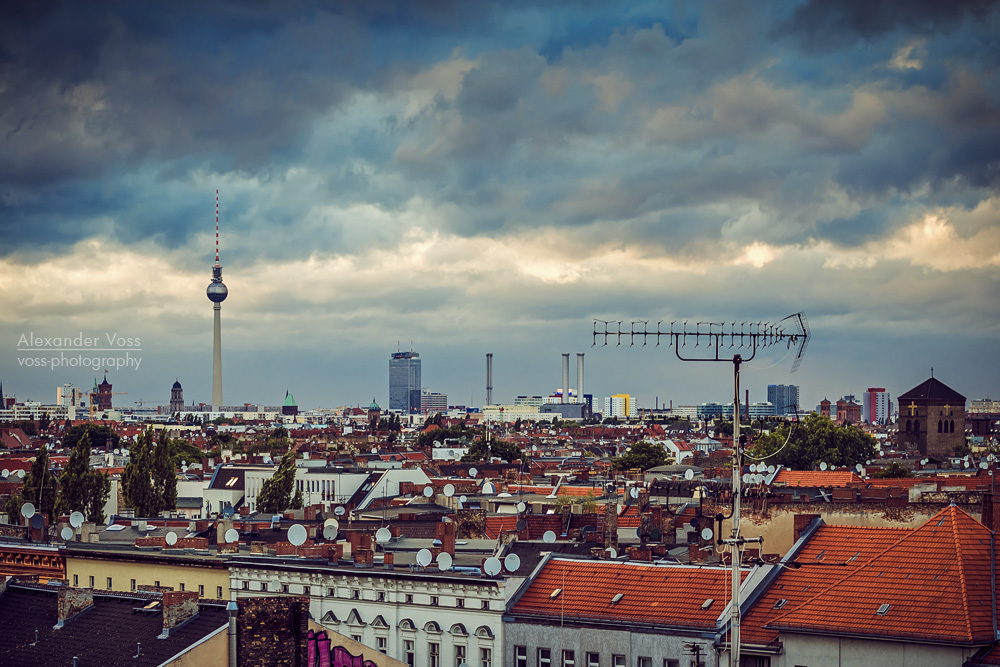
(491, 177)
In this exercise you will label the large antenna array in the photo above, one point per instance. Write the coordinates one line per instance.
(734, 342)
(717, 338)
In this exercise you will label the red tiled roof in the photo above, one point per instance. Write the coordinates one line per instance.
(661, 595)
(817, 478)
(936, 581)
(829, 546)
(495, 524)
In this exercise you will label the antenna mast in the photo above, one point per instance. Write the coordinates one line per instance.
(716, 339)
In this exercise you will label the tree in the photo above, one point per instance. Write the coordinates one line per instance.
(892, 471)
(276, 493)
(297, 500)
(164, 473)
(137, 481)
(483, 451)
(101, 437)
(39, 485)
(814, 440)
(643, 455)
(81, 488)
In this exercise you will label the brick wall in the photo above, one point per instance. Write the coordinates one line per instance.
(271, 631)
(72, 601)
(150, 541)
(178, 607)
(801, 522)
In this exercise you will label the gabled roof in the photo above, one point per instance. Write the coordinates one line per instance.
(933, 584)
(817, 478)
(673, 596)
(931, 390)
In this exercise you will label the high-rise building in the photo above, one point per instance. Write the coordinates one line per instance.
(620, 405)
(404, 382)
(70, 395)
(876, 408)
(433, 402)
(784, 398)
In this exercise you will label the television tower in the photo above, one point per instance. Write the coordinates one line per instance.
(217, 293)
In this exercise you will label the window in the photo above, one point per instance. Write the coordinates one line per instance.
(109, 584)
(670, 662)
(486, 605)
(332, 592)
(459, 655)
(434, 600)
(356, 638)
(643, 661)
(382, 643)
(434, 653)
(755, 661)
(356, 594)
(939, 425)
(520, 656)
(380, 596)
(305, 590)
(246, 586)
(617, 661)
(218, 592)
(76, 580)
(408, 652)
(263, 585)
(133, 584)
(91, 581)
(568, 658)
(409, 598)
(485, 657)
(593, 659)
(155, 583)
(284, 588)
(544, 657)
(460, 602)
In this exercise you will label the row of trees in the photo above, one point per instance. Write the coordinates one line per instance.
(149, 482)
(78, 489)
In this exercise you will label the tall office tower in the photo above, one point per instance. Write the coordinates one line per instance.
(217, 293)
(404, 382)
(68, 395)
(875, 406)
(784, 398)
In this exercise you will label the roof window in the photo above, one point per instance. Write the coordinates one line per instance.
(780, 603)
(618, 598)
(707, 603)
(554, 594)
(883, 610)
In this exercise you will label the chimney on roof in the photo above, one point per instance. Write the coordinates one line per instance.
(72, 601)
(179, 607)
(445, 531)
(991, 512)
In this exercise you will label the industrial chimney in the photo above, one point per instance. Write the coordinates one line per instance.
(565, 382)
(489, 378)
(579, 378)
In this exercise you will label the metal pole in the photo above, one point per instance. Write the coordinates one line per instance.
(734, 629)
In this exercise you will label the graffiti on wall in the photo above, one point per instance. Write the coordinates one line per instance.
(322, 654)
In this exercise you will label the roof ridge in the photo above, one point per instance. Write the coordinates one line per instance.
(961, 569)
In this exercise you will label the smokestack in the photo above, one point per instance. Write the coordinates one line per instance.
(579, 377)
(489, 378)
(565, 387)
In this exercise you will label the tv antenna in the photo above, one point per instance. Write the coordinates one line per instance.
(734, 342)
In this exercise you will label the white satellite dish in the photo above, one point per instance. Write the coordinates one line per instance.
(512, 562)
(383, 535)
(274, 586)
(492, 566)
(424, 557)
(689, 474)
(330, 532)
(297, 534)
(76, 519)
(449, 490)
(473, 472)
(171, 539)
(462, 499)
(233, 535)
(984, 465)
(612, 553)
(118, 451)
(548, 537)
(770, 470)
(634, 492)
(489, 488)
(753, 467)
(428, 491)
(374, 450)
(66, 533)
(746, 478)
(27, 510)
(20, 474)
(706, 534)
(534, 448)
(339, 510)
(444, 561)
(5, 473)
(823, 466)
(521, 507)
(859, 467)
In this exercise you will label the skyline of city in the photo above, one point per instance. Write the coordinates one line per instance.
(487, 178)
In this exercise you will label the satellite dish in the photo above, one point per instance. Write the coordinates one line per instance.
(339, 510)
(449, 490)
(228, 511)
(823, 466)
(753, 467)
(330, 532)
(522, 524)
(233, 535)
(383, 535)
(984, 465)
(444, 561)
(27, 510)
(859, 467)
(746, 478)
(171, 539)
(424, 557)
(5, 473)
(118, 451)
(374, 450)
(534, 448)
(634, 492)
(548, 537)
(770, 470)
(706, 534)
(275, 586)
(76, 519)
(612, 553)
(512, 562)
(297, 534)
(693, 522)
(428, 491)
(521, 507)
(689, 474)
(473, 472)
(20, 474)
(492, 566)
(462, 499)
(66, 533)
(37, 522)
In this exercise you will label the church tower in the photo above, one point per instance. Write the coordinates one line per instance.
(931, 419)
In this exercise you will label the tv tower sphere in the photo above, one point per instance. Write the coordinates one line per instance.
(217, 290)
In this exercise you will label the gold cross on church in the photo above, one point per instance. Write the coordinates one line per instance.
(947, 409)
(913, 408)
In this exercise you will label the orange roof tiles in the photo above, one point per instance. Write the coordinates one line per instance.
(936, 581)
(817, 478)
(494, 525)
(660, 595)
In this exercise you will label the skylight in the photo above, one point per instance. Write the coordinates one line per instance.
(554, 594)
(618, 598)
(707, 603)
(883, 610)
(780, 603)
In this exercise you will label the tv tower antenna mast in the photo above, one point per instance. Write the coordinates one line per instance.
(713, 342)
(217, 293)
